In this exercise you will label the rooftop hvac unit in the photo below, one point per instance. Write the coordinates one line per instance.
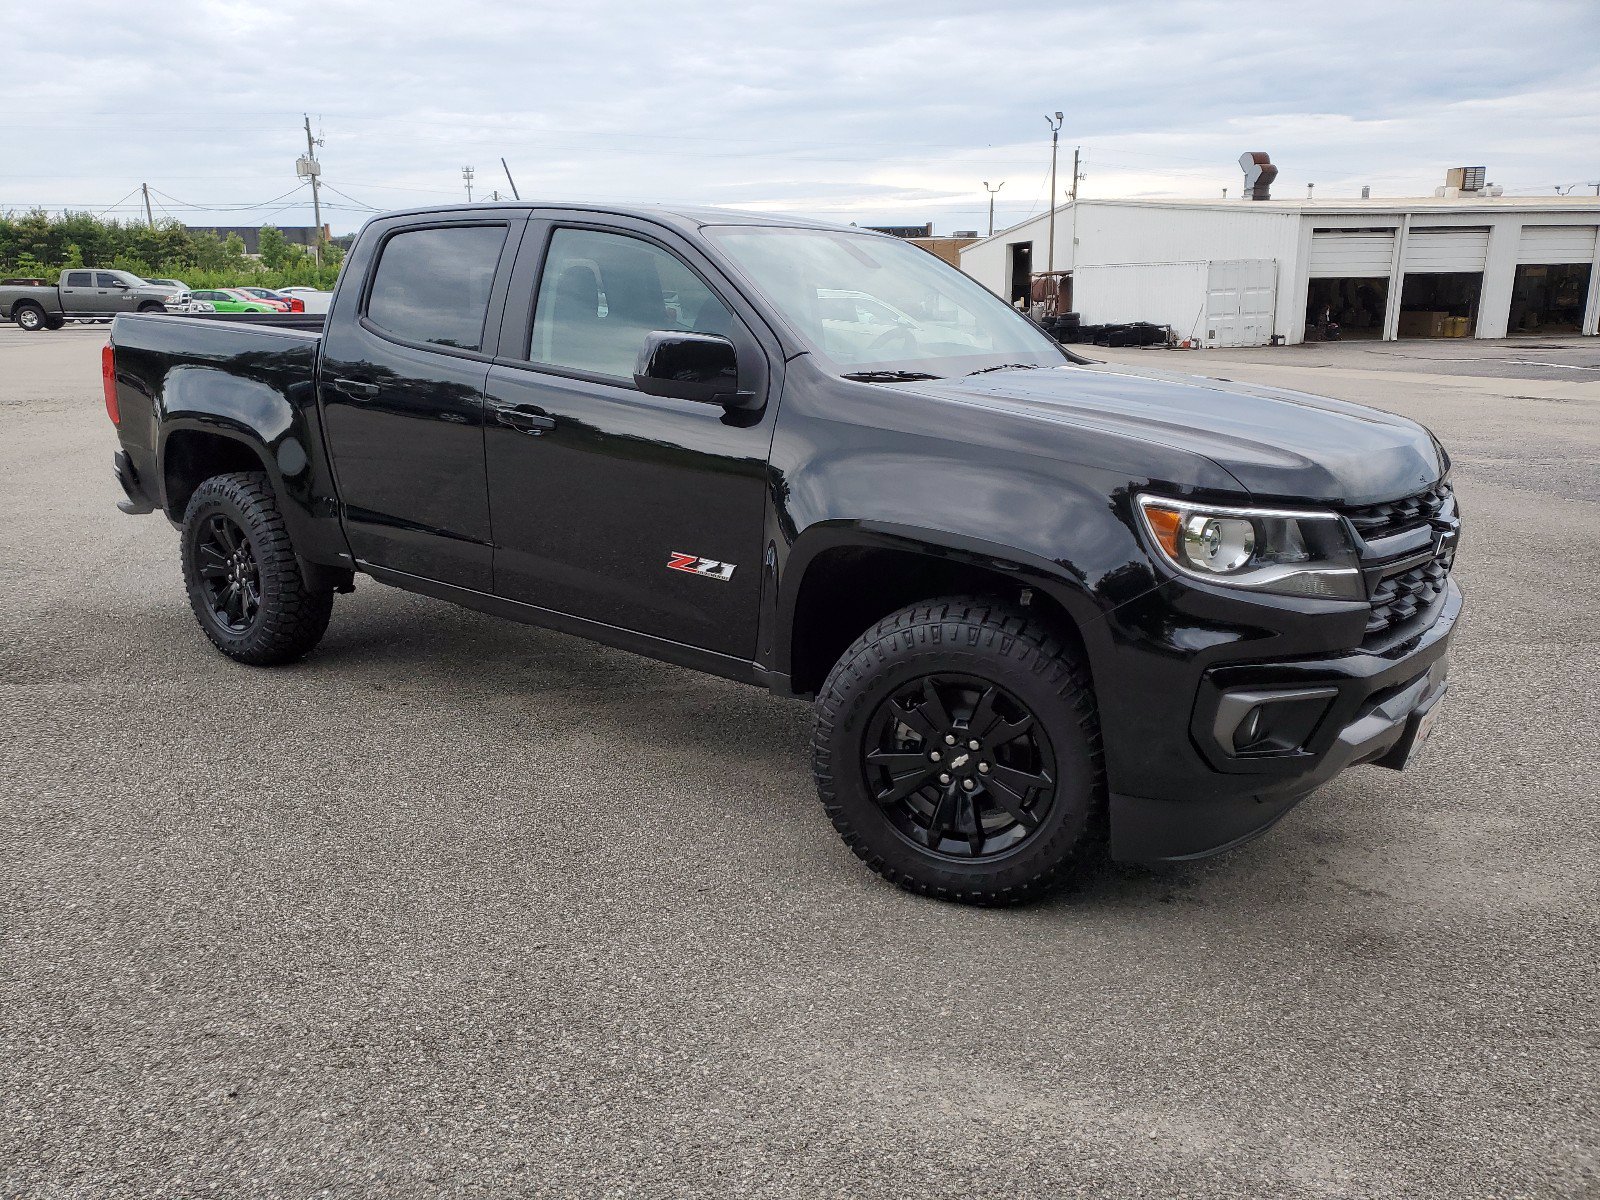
(1468, 179)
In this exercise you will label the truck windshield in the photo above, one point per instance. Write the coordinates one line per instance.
(878, 306)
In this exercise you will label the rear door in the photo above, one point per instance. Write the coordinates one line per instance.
(78, 293)
(640, 512)
(400, 381)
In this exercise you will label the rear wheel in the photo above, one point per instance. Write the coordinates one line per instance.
(957, 751)
(243, 579)
(29, 316)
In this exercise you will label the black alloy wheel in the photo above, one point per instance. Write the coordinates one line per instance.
(956, 749)
(960, 765)
(229, 576)
(244, 580)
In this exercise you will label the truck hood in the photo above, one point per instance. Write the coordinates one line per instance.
(1274, 441)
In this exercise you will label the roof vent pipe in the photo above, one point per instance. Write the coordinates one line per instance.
(1258, 175)
(1366, 193)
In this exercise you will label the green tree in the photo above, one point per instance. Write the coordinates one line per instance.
(274, 248)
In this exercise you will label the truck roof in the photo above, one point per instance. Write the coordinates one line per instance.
(685, 217)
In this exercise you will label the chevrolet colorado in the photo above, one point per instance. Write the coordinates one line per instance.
(1037, 601)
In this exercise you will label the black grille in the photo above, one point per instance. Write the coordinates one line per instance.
(1380, 520)
(1401, 597)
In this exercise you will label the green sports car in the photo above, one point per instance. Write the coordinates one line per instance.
(227, 302)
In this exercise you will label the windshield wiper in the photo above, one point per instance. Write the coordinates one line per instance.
(889, 376)
(1006, 367)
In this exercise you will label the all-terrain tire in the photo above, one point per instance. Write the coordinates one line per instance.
(289, 618)
(992, 642)
(28, 316)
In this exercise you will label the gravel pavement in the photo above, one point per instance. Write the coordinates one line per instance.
(462, 907)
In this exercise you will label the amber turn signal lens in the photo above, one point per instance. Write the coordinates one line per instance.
(1164, 524)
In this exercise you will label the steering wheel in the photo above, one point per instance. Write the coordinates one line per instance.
(899, 337)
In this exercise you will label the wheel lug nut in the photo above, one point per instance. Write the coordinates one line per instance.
(983, 768)
(968, 784)
(974, 744)
(949, 739)
(935, 755)
(944, 779)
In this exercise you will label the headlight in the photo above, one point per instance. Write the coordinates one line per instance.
(1270, 550)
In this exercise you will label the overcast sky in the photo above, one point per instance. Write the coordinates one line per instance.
(847, 111)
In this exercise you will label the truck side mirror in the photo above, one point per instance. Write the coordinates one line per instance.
(690, 366)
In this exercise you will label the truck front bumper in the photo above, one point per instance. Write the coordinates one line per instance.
(1259, 735)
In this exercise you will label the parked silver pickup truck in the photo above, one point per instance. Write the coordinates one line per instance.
(80, 295)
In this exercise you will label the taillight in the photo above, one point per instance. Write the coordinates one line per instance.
(108, 376)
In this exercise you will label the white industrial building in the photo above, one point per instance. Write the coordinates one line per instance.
(1244, 272)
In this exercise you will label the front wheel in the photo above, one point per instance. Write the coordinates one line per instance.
(957, 750)
(243, 579)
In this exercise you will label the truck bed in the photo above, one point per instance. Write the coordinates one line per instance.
(303, 321)
(203, 375)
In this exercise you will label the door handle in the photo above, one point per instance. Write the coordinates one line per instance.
(359, 389)
(532, 423)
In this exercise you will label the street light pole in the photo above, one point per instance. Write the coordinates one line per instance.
(992, 191)
(1055, 137)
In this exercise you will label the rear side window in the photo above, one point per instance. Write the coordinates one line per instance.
(432, 285)
(79, 279)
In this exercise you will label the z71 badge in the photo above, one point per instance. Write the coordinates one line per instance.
(695, 565)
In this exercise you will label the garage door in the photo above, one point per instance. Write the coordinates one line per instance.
(1441, 251)
(1351, 253)
(1552, 244)
(1240, 297)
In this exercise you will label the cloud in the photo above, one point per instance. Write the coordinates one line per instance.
(835, 109)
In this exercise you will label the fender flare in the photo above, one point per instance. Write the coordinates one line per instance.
(1057, 581)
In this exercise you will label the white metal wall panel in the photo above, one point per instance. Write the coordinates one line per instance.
(1351, 254)
(1170, 293)
(1240, 298)
(1552, 244)
(1437, 251)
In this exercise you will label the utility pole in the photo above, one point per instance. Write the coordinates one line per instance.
(311, 169)
(1076, 150)
(466, 173)
(149, 217)
(992, 191)
(1055, 133)
(516, 195)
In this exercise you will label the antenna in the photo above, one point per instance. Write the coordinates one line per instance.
(515, 195)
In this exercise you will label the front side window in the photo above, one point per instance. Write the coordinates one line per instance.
(78, 279)
(103, 279)
(601, 293)
(871, 303)
(432, 285)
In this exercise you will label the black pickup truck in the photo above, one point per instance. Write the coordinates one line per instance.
(1038, 602)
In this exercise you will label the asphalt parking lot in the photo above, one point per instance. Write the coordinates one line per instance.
(461, 907)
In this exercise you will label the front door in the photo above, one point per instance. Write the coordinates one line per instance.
(114, 294)
(401, 386)
(640, 512)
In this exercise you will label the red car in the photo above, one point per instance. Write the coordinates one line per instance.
(288, 304)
